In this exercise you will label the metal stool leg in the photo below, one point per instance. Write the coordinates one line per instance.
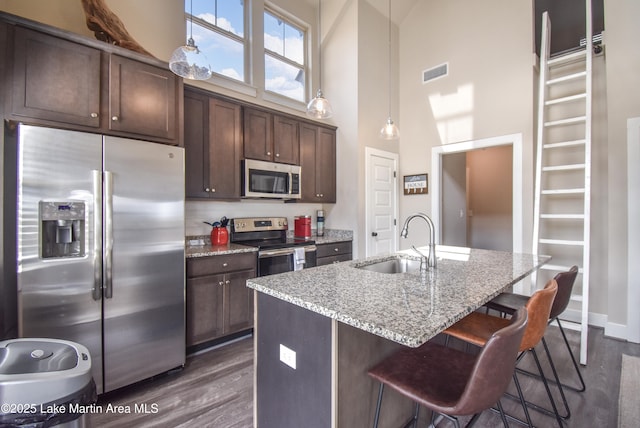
(377, 417)
(557, 382)
(573, 359)
(546, 386)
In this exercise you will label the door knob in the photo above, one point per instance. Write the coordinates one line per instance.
(374, 233)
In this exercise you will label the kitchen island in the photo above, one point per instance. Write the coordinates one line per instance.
(319, 330)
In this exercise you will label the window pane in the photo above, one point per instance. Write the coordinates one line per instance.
(226, 56)
(283, 78)
(293, 43)
(230, 16)
(273, 34)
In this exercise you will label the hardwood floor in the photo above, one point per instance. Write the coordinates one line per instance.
(215, 389)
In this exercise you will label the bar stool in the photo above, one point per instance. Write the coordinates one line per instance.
(509, 302)
(451, 382)
(476, 328)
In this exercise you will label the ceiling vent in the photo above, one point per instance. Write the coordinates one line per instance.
(435, 72)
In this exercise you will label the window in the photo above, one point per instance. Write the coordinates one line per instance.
(219, 32)
(284, 56)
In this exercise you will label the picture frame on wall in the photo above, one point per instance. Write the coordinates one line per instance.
(416, 184)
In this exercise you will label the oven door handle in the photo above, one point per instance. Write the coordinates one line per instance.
(274, 253)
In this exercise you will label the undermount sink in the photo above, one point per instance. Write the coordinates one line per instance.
(399, 265)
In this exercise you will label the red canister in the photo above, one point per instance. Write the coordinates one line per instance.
(302, 226)
(219, 236)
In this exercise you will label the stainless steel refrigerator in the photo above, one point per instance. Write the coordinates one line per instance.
(100, 249)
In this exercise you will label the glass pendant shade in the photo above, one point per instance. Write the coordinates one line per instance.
(319, 107)
(188, 62)
(389, 131)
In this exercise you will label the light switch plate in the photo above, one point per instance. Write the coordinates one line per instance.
(288, 356)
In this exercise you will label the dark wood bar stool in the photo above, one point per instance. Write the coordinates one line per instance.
(476, 328)
(509, 302)
(451, 382)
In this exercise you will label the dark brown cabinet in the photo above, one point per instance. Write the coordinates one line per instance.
(55, 79)
(79, 86)
(213, 146)
(270, 137)
(142, 99)
(318, 162)
(334, 252)
(218, 300)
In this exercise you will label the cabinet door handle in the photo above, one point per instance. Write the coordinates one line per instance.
(221, 283)
(94, 115)
(227, 282)
(374, 233)
(207, 189)
(268, 153)
(277, 155)
(336, 250)
(115, 118)
(225, 264)
(213, 190)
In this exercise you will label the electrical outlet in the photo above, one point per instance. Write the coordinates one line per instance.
(288, 356)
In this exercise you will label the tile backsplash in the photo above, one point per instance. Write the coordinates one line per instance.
(196, 212)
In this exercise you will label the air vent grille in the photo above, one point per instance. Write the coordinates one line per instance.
(435, 72)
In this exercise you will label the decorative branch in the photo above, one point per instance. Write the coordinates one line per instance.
(107, 27)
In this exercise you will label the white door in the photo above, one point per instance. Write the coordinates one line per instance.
(382, 202)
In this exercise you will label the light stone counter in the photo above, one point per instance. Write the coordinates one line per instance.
(407, 308)
(319, 330)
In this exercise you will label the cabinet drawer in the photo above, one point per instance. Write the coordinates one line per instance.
(333, 259)
(220, 264)
(334, 249)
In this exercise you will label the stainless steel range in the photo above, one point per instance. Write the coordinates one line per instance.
(277, 253)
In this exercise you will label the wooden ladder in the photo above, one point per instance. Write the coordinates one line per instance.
(561, 226)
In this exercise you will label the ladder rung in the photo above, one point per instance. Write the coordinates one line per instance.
(563, 216)
(561, 242)
(563, 167)
(567, 78)
(566, 99)
(563, 192)
(564, 144)
(568, 57)
(567, 121)
(558, 268)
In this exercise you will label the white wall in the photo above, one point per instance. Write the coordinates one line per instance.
(487, 93)
(622, 33)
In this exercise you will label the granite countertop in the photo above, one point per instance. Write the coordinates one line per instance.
(408, 308)
(200, 246)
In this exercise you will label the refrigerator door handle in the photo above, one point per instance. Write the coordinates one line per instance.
(108, 234)
(97, 234)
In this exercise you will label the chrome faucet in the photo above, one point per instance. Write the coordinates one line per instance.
(431, 257)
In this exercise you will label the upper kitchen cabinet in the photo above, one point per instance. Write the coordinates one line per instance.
(270, 137)
(318, 163)
(55, 79)
(66, 80)
(213, 146)
(142, 99)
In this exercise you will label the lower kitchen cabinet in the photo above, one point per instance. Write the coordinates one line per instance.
(334, 252)
(218, 301)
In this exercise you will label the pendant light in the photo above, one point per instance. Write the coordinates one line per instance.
(188, 62)
(389, 131)
(319, 107)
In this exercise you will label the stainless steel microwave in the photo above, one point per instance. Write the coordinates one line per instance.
(262, 179)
